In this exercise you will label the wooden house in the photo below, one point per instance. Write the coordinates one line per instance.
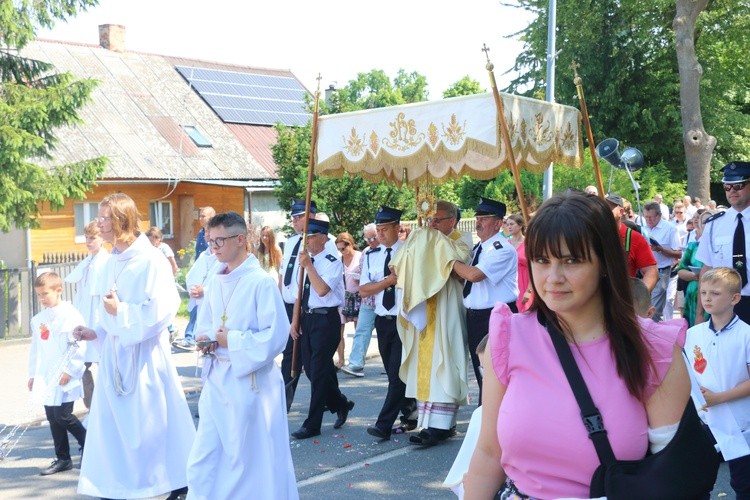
(179, 133)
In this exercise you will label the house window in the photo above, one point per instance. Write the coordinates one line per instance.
(160, 215)
(198, 138)
(83, 213)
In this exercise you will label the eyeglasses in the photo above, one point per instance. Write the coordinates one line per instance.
(102, 220)
(372, 239)
(437, 219)
(219, 242)
(402, 230)
(737, 186)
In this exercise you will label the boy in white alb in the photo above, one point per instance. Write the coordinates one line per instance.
(56, 367)
(87, 298)
(718, 355)
(242, 446)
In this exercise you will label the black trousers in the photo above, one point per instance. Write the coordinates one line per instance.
(477, 326)
(286, 360)
(61, 421)
(389, 345)
(320, 338)
(742, 309)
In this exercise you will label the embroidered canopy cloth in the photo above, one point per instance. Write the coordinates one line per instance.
(448, 139)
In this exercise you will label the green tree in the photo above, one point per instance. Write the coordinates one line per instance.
(349, 201)
(465, 86)
(34, 101)
(627, 55)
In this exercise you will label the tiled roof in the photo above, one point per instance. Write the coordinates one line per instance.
(135, 119)
(258, 140)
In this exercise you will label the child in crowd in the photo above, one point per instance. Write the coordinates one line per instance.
(641, 299)
(455, 478)
(87, 298)
(55, 375)
(718, 354)
(155, 236)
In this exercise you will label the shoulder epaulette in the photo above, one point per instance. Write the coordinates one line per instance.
(331, 258)
(372, 250)
(497, 245)
(714, 217)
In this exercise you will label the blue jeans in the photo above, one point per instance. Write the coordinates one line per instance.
(191, 324)
(362, 336)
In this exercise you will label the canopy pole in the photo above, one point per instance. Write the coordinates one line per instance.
(506, 136)
(308, 195)
(592, 145)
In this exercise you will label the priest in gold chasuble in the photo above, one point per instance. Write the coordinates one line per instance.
(432, 324)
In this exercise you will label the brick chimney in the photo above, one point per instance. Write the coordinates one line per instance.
(112, 37)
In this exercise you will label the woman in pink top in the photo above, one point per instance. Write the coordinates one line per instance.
(532, 439)
(517, 229)
(350, 256)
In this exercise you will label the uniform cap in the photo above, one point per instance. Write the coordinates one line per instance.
(487, 206)
(386, 215)
(298, 206)
(737, 171)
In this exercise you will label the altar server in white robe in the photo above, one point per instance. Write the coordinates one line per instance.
(242, 446)
(87, 299)
(140, 429)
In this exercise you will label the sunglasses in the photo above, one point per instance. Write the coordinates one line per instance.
(737, 186)
(402, 230)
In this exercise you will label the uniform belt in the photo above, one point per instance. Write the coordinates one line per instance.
(391, 317)
(320, 310)
(477, 312)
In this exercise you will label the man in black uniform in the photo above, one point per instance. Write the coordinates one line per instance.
(319, 329)
(726, 236)
(491, 277)
(289, 287)
(378, 279)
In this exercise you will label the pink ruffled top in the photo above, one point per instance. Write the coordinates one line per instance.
(545, 447)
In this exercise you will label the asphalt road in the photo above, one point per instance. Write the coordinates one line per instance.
(344, 463)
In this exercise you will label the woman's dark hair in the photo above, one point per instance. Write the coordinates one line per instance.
(587, 227)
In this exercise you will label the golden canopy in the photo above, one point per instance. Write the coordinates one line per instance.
(447, 139)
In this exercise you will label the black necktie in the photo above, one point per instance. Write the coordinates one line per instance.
(290, 266)
(467, 285)
(738, 249)
(306, 290)
(389, 294)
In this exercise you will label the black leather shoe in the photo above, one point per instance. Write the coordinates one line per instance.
(432, 436)
(374, 431)
(304, 433)
(343, 413)
(57, 466)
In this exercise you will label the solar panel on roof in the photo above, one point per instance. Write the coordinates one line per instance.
(249, 98)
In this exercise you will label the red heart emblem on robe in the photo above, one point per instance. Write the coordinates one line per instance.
(700, 365)
(44, 331)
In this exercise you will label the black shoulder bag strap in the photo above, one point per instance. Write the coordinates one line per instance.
(592, 419)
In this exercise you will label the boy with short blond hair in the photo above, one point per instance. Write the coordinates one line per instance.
(718, 354)
(641, 298)
(54, 370)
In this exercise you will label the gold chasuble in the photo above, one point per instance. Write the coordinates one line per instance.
(432, 323)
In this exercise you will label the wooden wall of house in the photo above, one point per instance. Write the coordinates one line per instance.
(57, 228)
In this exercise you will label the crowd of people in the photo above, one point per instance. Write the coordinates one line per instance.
(586, 267)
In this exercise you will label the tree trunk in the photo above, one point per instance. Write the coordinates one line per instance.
(699, 145)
